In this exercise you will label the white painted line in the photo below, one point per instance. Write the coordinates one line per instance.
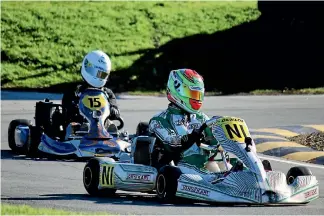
(291, 162)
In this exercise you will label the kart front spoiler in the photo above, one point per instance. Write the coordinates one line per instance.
(303, 190)
(75, 147)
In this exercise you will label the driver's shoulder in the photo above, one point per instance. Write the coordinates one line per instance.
(202, 116)
(205, 117)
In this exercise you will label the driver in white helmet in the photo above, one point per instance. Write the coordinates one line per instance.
(95, 70)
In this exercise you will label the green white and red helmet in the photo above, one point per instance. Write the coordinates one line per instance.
(185, 88)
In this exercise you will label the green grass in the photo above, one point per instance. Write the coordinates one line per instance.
(288, 91)
(43, 43)
(10, 209)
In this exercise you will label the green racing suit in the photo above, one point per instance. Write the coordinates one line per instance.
(170, 125)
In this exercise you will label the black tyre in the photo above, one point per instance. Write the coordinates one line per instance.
(11, 135)
(167, 183)
(32, 146)
(267, 165)
(294, 172)
(91, 180)
(142, 129)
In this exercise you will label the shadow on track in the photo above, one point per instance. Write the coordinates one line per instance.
(122, 198)
(138, 199)
(9, 155)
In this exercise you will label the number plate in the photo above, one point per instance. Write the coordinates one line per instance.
(94, 102)
(234, 128)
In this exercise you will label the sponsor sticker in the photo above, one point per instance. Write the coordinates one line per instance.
(139, 177)
(196, 190)
(310, 193)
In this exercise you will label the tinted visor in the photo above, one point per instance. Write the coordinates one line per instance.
(102, 74)
(196, 93)
(96, 72)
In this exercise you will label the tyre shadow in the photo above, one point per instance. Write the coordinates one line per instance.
(126, 198)
(139, 199)
(10, 155)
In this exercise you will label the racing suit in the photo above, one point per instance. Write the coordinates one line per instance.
(171, 127)
(70, 102)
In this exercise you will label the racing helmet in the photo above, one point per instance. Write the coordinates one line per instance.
(185, 88)
(95, 69)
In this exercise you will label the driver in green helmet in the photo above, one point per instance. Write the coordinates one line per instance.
(176, 128)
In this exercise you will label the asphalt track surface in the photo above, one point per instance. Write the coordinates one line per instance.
(59, 184)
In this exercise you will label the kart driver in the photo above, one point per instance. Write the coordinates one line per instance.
(95, 70)
(176, 128)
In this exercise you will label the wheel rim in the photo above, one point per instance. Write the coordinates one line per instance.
(87, 177)
(160, 185)
(17, 137)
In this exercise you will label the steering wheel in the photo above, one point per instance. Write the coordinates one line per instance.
(121, 122)
(205, 146)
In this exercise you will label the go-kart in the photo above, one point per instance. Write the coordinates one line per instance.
(98, 135)
(246, 179)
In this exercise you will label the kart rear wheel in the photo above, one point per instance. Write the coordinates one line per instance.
(14, 124)
(32, 146)
(167, 183)
(91, 180)
(294, 172)
(142, 129)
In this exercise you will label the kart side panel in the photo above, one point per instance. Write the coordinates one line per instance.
(126, 176)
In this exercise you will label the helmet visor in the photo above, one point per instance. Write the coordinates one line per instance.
(102, 74)
(96, 72)
(195, 93)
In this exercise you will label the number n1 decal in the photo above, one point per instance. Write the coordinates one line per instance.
(107, 176)
(236, 130)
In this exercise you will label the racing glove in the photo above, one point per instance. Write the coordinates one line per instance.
(114, 112)
(188, 140)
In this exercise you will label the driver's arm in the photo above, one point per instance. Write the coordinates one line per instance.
(113, 103)
(171, 140)
(208, 133)
(111, 97)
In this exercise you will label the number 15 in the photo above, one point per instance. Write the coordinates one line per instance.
(94, 102)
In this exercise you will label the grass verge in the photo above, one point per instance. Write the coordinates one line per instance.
(312, 140)
(288, 91)
(43, 43)
(11, 209)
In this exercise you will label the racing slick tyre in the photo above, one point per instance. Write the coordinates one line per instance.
(14, 146)
(294, 172)
(142, 129)
(267, 165)
(91, 180)
(167, 183)
(32, 146)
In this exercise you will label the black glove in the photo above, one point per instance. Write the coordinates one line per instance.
(188, 140)
(114, 112)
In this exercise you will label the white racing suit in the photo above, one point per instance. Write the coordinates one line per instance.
(169, 127)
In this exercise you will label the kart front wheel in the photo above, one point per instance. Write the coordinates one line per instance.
(14, 138)
(91, 180)
(294, 172)
(267, 165)
(167, 183)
